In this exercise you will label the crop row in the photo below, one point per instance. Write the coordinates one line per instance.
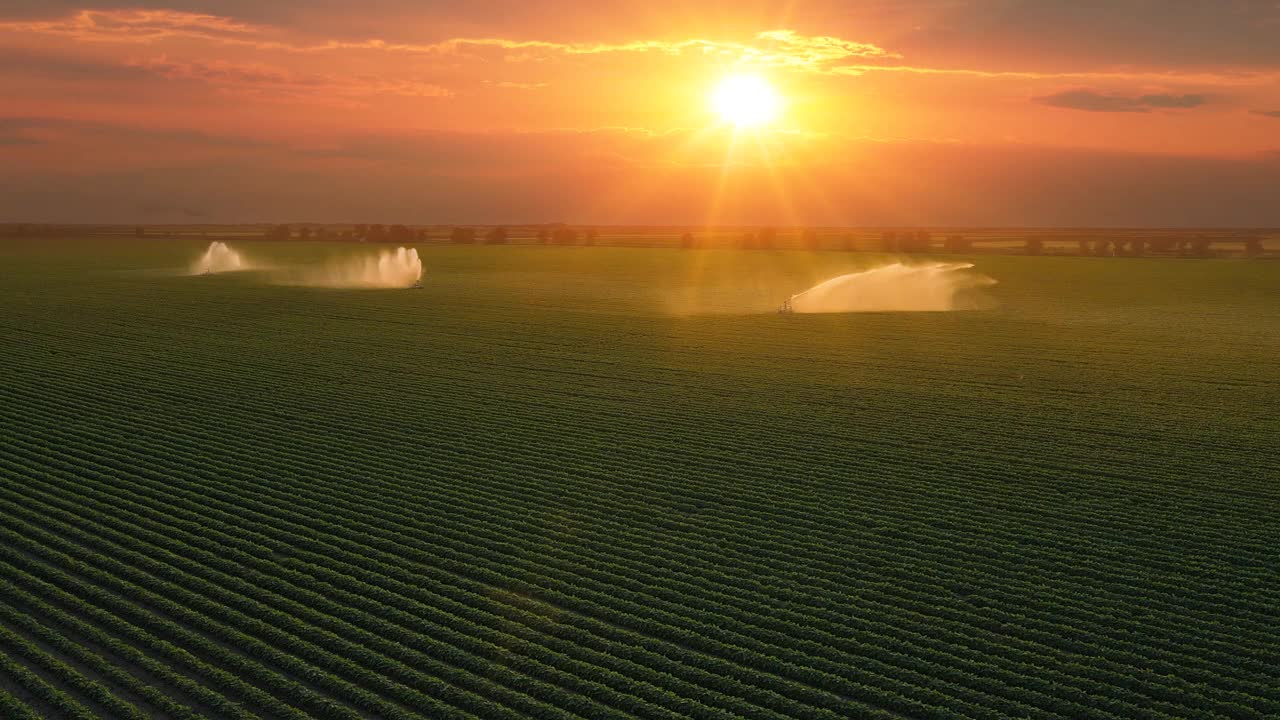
(907, 432)
(153, 675)
(1119, 516)
(54, 698)
(178, 382)
(82, 588)
(469, 514)
(961, 548)
(1235, 597)
(15, 709)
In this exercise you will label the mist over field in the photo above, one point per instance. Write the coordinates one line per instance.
(398, 268)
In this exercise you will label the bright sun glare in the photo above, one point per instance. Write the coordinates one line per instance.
(746, 100)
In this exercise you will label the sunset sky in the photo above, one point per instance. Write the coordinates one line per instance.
(913, 112)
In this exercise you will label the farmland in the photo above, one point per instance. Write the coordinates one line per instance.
(567, 482)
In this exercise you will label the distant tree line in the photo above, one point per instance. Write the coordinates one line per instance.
(1093, 244)
(921, 241)
(915, 241)
(1199, 246)
(375, 233)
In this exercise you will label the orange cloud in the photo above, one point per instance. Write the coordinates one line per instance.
(1236, 78)
(1090, 100)
(785, 49)
(135, 26)
(256, 78)
(519, 85)
(777, 49)
(781, 49)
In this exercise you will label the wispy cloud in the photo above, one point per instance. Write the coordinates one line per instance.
(29, 126)
(265, 79)
(135, 26)
(13, 139)
(1093, 101)
(1233, 78)
(779, 49)
(773, 49)
(509, 85)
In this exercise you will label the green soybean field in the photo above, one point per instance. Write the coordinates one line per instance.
(602, 482)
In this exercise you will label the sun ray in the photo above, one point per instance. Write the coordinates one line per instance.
(779, 186)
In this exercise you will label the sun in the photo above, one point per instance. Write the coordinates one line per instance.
(746, 100)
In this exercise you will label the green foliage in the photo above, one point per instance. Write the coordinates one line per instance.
(597, 484)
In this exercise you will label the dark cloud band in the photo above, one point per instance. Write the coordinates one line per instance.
(1092, 101)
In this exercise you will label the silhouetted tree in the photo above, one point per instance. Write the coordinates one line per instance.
(1253, 247)
(1201, 247)
(564, 236)
(361, 232)
(1120, 247)
(399, 234)
(748, 241)
(304, 234)
(889, 241)
(1139, 247)
(543, 236)
(809, 238)
(421, 235)
(591, 236)
(377, 233)
(279, 232)
(346, 236)
(957, 244)
(686, 240)
(1035, 246)
(139, 232)
(1084, 247)
(906, 241)
(462, 236)
(917, 242)
(849, 242)
(1102, 247)
(496, 236)
(765, 238)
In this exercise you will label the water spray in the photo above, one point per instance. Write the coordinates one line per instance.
(927, 287)
(399, 268)
(218, 258)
